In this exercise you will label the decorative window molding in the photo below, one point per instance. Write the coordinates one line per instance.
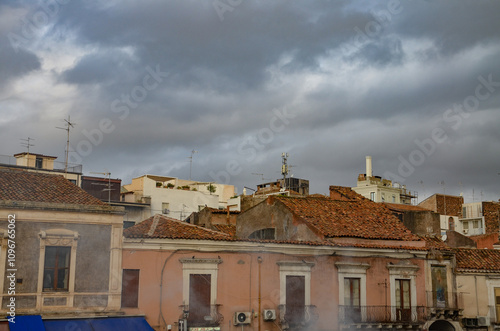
(200, 266)
(295, 268)
(57, 238)
(353, 270)
(403, 270)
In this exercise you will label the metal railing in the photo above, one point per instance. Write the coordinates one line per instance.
(308, 317)
(381, 314)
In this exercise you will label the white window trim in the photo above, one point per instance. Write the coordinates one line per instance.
(64, 238)
(353, 270)
(295, 268)
(200, 266)
(403, 271)
(491, 283)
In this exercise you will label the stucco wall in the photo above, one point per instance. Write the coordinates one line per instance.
(239, 283)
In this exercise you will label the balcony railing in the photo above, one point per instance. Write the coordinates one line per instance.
(381, 314)
(215, 318)
(307, 317)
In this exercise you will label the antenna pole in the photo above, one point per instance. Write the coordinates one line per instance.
(69, 125)
(284, 168)
(26, 143)
(191, 162)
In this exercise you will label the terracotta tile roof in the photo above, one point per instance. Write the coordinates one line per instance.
(169, 228)
(159, 226)
(29, 186)
(434, 242)
(403, 207)
(228, 229)
(358, 218)
(478, 260)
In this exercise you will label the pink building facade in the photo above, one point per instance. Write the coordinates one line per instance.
(285, 272)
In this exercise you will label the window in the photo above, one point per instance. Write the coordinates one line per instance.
(295, 299)
(352, 291)
(130, 288)
(372, 196)
(466, 225)
(497, 302)
(451, 224)
(403, 303)
(38, 163)
(56, 268)
(394, 198)
(295, 289)
(383, 197)
(165, 208)
(199, 291)
(199, 299)
(268, 233)
(403, 282)
(464, 212)
(352, 300)
(475, 224)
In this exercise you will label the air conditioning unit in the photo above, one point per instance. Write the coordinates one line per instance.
(269, 314)
(166, 211)
(242, 318)
(483, 321)
(466, 231)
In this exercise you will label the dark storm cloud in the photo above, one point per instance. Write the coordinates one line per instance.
(361, 78)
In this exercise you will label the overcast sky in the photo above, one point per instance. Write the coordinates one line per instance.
(416, 85)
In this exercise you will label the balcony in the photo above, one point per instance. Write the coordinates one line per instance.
(301, 318)
(376, 315)
(203, 316)
(449, 306)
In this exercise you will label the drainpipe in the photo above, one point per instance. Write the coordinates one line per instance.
(259, 260)
(477, 303)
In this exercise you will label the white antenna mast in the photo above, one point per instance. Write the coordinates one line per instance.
(26, 143)
(191, 162)
(69, 125)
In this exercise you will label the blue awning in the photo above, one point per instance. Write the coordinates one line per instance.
(122, 324)
(98, 324)
(27, 323)
(69, 324)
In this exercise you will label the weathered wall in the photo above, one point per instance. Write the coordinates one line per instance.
(421, 222)
(240, 282)
(272, 214)
(491, 213)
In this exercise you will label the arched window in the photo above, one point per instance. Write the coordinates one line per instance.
(451, 224)
(268, 233)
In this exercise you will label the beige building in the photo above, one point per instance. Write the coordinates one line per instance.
(478, 280)
(175, 197)
(379, 189)
(43, 164)
(60, 248)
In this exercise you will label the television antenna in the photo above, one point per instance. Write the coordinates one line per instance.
(108, 184)
(26, 143)
(67, 127)
(191, 162)
(284, 168)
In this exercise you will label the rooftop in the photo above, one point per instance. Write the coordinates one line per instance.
(478, 260)
(26, 186)
(354, 217)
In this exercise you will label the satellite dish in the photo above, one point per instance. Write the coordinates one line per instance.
(444, 237)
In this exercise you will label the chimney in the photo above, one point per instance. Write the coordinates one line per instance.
(368, 166)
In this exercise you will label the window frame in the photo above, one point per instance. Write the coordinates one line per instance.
(56, 268)
(63, 238)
